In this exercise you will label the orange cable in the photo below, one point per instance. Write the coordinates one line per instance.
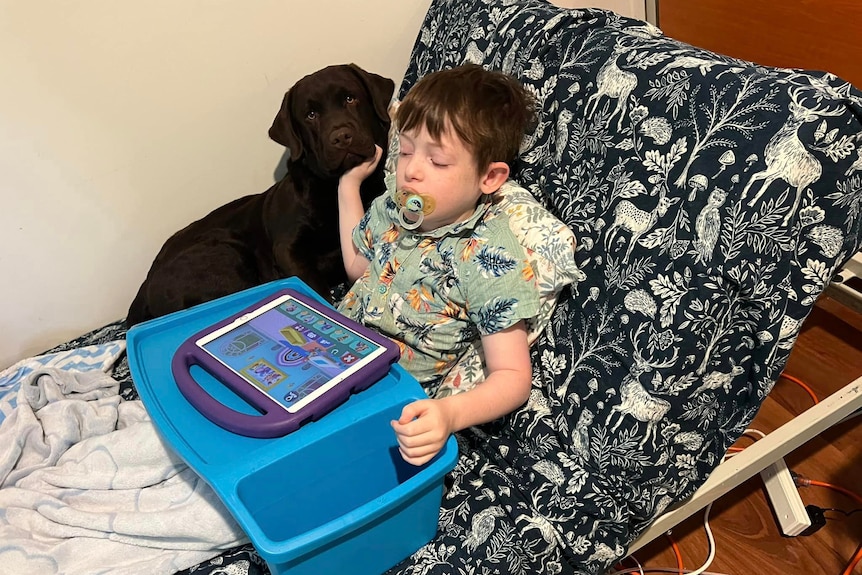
(856, 557)
(803, 385)
(852, 495)
(623, 570)
(747, 433)
(676, 552)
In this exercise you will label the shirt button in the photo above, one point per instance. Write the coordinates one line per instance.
(382, 288)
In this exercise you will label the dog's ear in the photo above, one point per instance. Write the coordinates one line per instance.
(282, 130)
(381, 90)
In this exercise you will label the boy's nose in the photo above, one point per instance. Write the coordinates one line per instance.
(411, 169)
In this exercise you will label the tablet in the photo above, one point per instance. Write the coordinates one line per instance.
(289, 356)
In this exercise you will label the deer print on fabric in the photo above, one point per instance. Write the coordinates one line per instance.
(693, 62)
(545, 528)
(636, 221)
(615, 83)
(720, 379)
(635, 400)
(688, 300)
(786, 157)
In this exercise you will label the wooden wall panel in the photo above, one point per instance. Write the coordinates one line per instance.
(813, 34)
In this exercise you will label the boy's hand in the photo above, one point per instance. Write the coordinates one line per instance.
(357, 174)
(422, 429)
(350, 212)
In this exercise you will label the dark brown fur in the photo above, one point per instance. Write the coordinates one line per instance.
(330, 121)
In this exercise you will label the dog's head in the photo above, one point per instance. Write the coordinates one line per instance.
(332, 118)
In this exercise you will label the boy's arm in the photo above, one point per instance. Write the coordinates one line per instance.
(425, 425)
(350, 212)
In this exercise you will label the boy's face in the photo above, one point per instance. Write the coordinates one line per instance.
(446, 171)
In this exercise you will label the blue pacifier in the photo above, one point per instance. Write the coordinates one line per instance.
(414, 208)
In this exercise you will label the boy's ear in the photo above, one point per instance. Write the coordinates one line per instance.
(495, 176)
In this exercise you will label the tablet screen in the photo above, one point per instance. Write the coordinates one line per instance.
(290, 351)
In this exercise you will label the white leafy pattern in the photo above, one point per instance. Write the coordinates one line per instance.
(691, 296)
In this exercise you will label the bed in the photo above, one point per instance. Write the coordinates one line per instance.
(713, 201)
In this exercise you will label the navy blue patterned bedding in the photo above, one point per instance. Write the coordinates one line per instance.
(713, 200)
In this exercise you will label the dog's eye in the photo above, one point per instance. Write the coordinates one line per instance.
(350, 99)
(312, 115)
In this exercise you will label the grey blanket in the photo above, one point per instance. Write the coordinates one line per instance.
(86, 486)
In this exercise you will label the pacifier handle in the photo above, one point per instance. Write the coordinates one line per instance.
(407, 224)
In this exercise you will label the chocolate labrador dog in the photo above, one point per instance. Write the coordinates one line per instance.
(330, 121)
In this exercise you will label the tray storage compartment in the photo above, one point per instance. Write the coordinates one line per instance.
(346, 503)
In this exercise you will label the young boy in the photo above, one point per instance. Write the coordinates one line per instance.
(435, 265)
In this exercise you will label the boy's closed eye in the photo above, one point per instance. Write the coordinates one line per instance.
(438, 162)
(406, 149)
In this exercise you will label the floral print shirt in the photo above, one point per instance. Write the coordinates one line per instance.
(435, 292)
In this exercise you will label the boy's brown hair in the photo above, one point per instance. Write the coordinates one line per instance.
(489, 111)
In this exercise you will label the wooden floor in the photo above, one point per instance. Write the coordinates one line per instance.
(827, 356)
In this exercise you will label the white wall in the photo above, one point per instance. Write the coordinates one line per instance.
(121, 122)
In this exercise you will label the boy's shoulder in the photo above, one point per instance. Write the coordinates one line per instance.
(537, 230)
(512, 198)
(527, 216)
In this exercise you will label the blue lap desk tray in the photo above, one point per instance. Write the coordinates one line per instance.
(333, 496)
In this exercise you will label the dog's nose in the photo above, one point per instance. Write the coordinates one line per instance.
(341, 138)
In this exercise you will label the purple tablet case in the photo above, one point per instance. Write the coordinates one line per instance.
(274, 421)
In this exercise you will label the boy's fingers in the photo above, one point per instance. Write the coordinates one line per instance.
(416, 457)
(416, 428)
(416, 461)
(413, 411)
(378, 153)
(423, 437)
(416, 432)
